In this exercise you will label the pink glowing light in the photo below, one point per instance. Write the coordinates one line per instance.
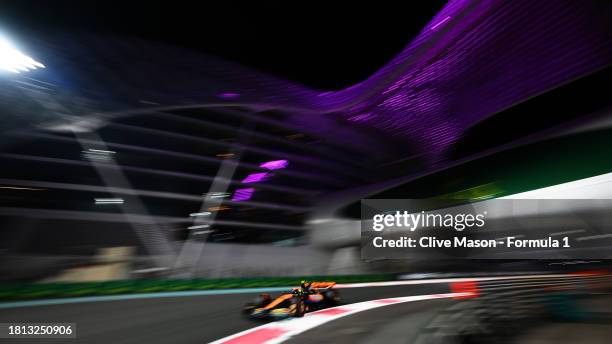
(274, 164)
(229, 95)
(243, 194)
(440, 23)
(256, 177)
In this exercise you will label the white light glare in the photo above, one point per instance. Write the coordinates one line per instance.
(198, 227)
(97, 154)
(206, 213)
(100, 151)
(13, 60)
(216, 195)
(109, 200)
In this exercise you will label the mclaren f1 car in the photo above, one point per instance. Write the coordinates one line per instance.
(293, 303)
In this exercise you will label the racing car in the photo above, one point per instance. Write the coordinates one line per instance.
(293, 303)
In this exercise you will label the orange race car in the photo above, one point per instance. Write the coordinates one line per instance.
(307, 297)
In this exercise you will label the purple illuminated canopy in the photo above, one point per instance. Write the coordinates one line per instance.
(474, 59)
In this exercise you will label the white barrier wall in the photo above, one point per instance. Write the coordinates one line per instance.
(332, 233)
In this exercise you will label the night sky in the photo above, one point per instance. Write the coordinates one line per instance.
(323, 44)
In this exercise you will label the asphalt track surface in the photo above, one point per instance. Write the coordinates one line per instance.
(393, 324)
(202, 319)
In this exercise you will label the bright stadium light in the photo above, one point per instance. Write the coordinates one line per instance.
(14, 61)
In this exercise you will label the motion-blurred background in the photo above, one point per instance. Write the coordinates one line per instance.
(236, 140)
(170, 146)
